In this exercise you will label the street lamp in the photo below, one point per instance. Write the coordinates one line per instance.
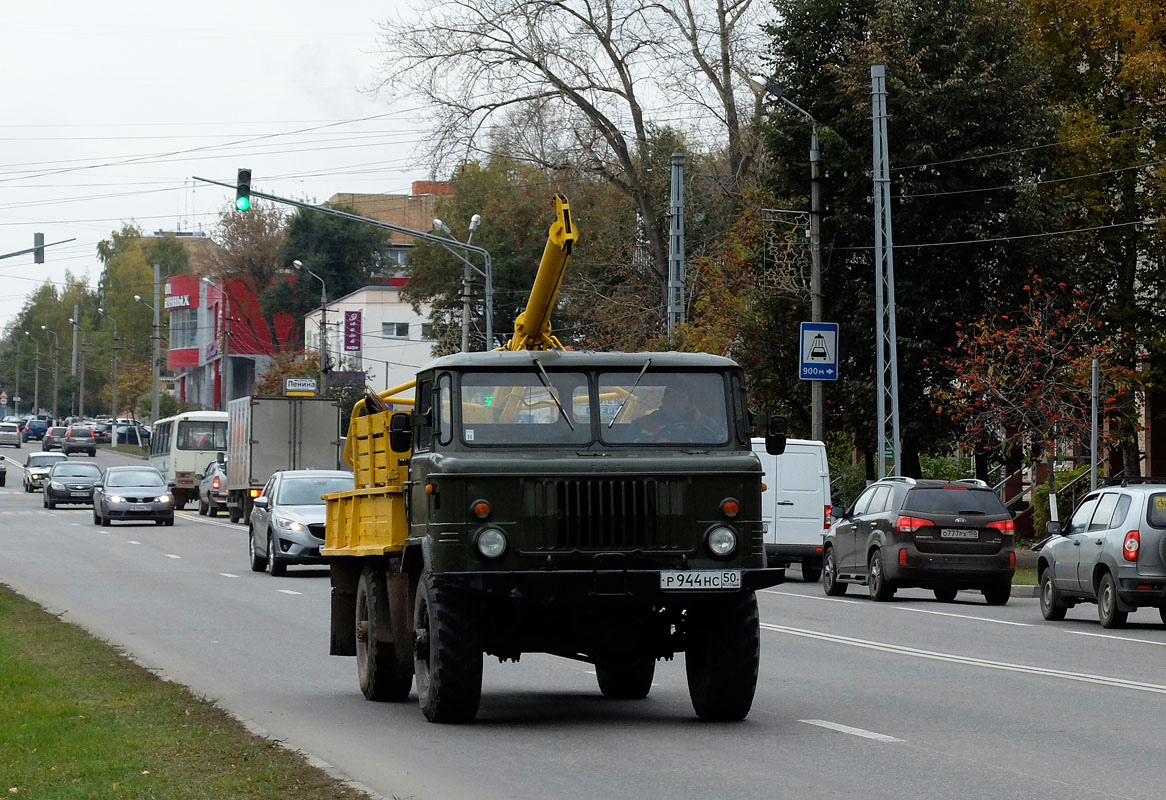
(487, 274)
(156, 376)
(81, 386)
(113, 439)
(323, 321)
(35, 375)
(56, 385)
(817, 388)
(224, 364)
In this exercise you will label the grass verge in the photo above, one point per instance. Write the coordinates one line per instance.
(79, 720)
(127, 449)
(1024, 576)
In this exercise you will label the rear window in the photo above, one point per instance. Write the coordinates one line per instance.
(953, 501)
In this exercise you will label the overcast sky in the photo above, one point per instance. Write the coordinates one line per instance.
(110, 108)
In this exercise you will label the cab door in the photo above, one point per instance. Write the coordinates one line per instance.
(1109, 514)
(1069, 552)
(849, 529)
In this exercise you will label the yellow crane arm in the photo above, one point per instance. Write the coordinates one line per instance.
(532, 328)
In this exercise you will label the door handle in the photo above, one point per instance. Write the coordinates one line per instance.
(785, 502)
(1099, 541)
(1076, 543)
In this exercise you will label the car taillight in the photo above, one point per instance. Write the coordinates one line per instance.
(903, 556)
(912, 524)
(1131, 546)
(215, 483)
(1005, 526)
(826, 516)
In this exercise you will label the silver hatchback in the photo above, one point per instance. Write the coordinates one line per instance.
(1112, 553)
(10, 434)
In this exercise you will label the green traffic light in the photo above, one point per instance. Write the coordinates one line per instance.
(243, 203)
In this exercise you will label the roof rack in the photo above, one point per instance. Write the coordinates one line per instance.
(1126, 481)
(973, 482)
(902, 478)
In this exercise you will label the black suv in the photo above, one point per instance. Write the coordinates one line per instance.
(939, 535)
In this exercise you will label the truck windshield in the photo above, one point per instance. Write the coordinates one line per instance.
(516, 408)
(687, 408)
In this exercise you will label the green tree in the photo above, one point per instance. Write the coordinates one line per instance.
(249, 251)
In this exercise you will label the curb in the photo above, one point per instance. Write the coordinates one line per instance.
(1025, 590)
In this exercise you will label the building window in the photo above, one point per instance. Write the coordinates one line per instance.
(184, 329)
(427, 331)
(395, 330)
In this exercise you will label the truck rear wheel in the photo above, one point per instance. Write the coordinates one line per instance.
(447, 659)
(722, 658)
(626, 679)
(381, 678)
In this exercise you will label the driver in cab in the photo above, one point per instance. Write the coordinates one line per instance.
(679, 416)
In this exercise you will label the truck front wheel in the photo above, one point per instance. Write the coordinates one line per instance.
(447, 659)
(626, 679)
(381, 678)
(722, 658)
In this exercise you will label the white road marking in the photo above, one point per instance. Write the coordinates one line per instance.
(75, 524)
(834, 726)
(1083, 677)
(287, 591)
(171, 555)
(902, 608)
(228, 575)
(1119, 638)
(131, 541)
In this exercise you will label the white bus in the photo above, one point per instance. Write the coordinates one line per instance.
(181, 445)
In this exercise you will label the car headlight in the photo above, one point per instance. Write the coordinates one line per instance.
(722, 541)
(60, 487)
(114, 498)
(164, 498)
(491, 542)
(288, 524)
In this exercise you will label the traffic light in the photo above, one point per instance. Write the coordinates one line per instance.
(38, 253)
(243, 190)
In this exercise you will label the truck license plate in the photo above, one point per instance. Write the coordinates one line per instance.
(952, 533)
(700, 579)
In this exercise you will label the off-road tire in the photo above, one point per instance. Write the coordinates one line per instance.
(1051, 607)
(997, 595)
(877, 584)
(1107, 612)
(810, 573)
(447, 656)
(627, 678)
(945, 595)
(258, 562)
(275, 567)
(722, 657)
(830, 583)
(381, 677)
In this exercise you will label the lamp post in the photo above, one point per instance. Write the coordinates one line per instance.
(487, 274)
(156, 358)
(817, 388)
(81, 387)
(56, 360)
(224, 364)
(113, 438)
(323, 321)
(35, 376)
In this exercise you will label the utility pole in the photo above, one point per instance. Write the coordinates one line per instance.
(101, 311)
(675, 300)
(886, 337)
(157, 342)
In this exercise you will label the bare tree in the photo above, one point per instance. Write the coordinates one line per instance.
(593, 72)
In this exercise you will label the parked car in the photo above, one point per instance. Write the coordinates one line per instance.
(132, 493)
(70, 482)
(79, 439)
(1112, 553)
(36, 469)
(132, 434)
(54, 437)
(212, 488)
(103, 432)
(939, 535)
(287, 520)
(10, 434)
(35, 428)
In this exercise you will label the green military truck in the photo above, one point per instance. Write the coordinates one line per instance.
(603, 507)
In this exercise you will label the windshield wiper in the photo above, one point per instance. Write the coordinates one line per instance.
(639, 378)
(542, 376)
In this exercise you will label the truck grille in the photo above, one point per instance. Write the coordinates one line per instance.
(604, 515)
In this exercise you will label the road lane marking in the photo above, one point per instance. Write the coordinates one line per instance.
(931, 655)
(1118, 638)
(171, 555)
(131, 541)
(834, 726)
(903, 608)
(228, 575)
(287, 591)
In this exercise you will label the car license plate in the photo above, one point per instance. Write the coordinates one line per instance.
(955, 533)
(78, 494)
(700, 579)
(139, 506)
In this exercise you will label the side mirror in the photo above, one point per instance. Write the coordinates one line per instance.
(221, 457)
(401, 432)
(261, 502)
(171, 484)
(775, 436)
(837, 512)
(1053, 528)
(198, 476)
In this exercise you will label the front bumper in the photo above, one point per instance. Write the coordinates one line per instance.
(297, 547)
(36, 481)
(123, 511)
(61, 496)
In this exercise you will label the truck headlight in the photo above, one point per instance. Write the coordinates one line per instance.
(491, 542)
(722, 541)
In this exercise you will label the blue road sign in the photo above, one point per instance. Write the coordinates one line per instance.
(819, 351)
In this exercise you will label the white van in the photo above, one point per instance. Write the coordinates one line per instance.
(795, 504)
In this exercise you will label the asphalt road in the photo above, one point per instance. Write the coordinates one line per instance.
(907, 699)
